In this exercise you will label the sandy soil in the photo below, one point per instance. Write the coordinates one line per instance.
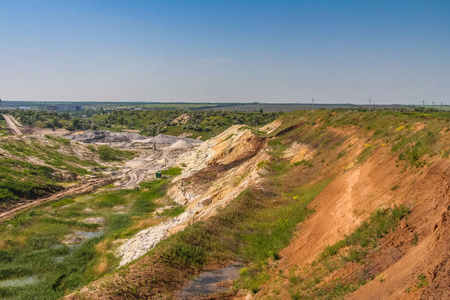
(12, 124)
(349, 200)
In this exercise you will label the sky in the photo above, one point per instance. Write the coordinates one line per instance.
(395, 51)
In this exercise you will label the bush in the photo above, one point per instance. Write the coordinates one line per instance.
(107, 153)
(184, 255)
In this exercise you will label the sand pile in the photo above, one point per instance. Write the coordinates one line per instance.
(168, 139)
(181, 144)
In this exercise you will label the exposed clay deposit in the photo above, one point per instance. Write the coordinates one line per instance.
(269, 128)
(181, 145)
(239, 171)
(298, 152)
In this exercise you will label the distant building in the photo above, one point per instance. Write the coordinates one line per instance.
(65, 107)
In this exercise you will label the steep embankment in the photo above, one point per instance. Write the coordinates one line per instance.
(229, 161)
(407, 168)
(366, 194)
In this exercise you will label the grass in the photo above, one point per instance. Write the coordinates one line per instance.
(112, 199)
(422, 281)
(22, 179)
(247, 228)
(173, 212)
(63, 202)
(172, 171)
(353, 249)
(414, 136)
(30, 242)
(366, 236)
(59, 140)
(107, 153)
(272, 229)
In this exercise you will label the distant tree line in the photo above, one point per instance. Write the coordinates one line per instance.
(204, 123)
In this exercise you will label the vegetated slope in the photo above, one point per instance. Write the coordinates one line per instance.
(387, 161)
(36, 166)
(377, 225)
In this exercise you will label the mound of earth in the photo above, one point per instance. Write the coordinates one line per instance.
(168, 139)
(103, 136)
(181, 144)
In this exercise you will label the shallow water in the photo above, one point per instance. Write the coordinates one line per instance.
(19, 282)
(89, 234)
(206, 282)
(72, 247)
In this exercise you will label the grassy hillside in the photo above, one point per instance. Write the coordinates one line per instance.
(30, 168)
(414, 136)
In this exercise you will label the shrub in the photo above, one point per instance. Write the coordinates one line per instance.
(107, 153)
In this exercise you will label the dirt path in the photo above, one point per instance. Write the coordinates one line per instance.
(12, 124)
(82, 188)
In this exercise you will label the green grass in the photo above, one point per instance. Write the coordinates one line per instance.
(272, 229)
(245, 229)
(366, 236)
(30, 242)
(63, 202)
(415, 136)
(49, 154)
(364, 240)
(107, 153)
(22, 179)
(173, 212)
(172, 171)
(422, 281)
(112, 199)
(59, 140)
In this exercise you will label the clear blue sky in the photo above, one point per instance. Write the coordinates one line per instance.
(229, 51)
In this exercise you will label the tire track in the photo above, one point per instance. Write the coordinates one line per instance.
(12, 124)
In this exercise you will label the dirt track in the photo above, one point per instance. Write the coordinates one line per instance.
(145, 166)
(138, 169)
(12, 124)
(82, 188)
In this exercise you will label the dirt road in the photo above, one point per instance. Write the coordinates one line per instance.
(12, 124)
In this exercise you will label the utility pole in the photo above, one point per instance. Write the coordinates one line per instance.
(370, 104)
(433, 104)
(312, 106)
(441, 105)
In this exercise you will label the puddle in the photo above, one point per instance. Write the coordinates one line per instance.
(89, 234)
(19, 282)
(209, 283)
(84, 236)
